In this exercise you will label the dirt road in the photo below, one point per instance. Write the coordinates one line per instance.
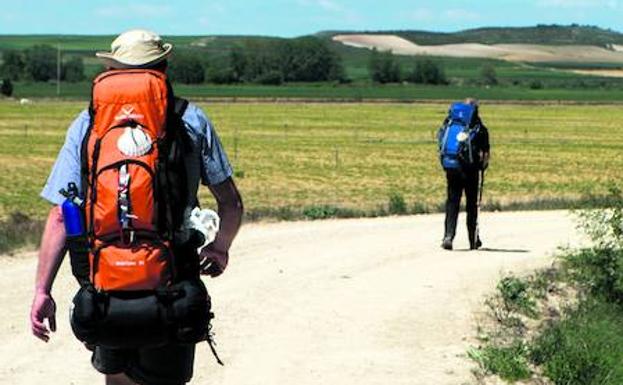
(372, 301)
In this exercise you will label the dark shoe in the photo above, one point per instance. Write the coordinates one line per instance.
(447, 243)
(477, 245)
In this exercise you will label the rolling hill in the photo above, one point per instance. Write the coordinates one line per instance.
(572, 58)
(571, 47)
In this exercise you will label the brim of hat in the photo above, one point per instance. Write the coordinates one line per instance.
(110, 61)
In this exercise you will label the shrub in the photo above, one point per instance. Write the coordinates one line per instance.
(599, 272)
(6, 88)
(19, 230)
(187, 68)
(320, 212)
(508, 362)
(585, 348)
(420, 208)
(73, 70)
(40, 63)
(536, 85)
(12, 64)
(605, 227)
(489, 75)
(308, 59)
(516, 297)
(427, 71)
(384, 68)
(397, 204)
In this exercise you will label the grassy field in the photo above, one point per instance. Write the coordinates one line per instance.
(291, 156)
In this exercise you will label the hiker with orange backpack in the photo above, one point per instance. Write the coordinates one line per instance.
(124, 190)
(464, 152)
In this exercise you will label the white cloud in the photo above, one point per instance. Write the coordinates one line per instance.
(612, 4)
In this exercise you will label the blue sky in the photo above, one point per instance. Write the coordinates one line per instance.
(294, 17)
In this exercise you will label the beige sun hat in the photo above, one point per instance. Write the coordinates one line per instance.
(135, 48)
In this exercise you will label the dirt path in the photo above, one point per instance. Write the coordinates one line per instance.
(372, 301)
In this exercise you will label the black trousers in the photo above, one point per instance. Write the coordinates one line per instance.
(459, 181)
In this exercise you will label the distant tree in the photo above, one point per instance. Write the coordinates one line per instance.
(40, 63)
(308, 59)
(6, 88)
(187, 68)
(12, 64)
(237, 64)
(489, 75)
(374, 65)
(536, 85)
(73, 70)
(384, 68)
(262, 58)
(427, 71)
(338, 73)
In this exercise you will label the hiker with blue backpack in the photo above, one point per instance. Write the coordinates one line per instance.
(464, 152)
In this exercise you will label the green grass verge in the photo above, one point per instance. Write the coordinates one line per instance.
(19, 231)
(604, 92)
(585, 348)
(566, 323)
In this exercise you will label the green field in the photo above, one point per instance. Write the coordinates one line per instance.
(352, 92)
(515, 80)
(290, 156)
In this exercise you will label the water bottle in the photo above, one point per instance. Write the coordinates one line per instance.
(77, 242)
(72, 212)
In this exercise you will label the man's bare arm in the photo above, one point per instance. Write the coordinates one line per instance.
(215, 256)
(51, 255)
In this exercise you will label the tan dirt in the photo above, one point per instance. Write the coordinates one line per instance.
(605, 73)
(362, 301)
(530, 53)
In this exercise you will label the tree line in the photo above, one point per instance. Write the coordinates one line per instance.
(383, 67)
(270, 62)
(39, 63)
(306, 59)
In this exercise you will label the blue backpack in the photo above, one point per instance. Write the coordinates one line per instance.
(456, 138)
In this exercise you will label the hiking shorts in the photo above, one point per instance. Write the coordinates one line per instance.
(166, 365)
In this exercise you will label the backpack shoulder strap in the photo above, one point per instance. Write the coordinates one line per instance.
(180, 106)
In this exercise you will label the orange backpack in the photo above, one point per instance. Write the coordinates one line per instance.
(130, 208)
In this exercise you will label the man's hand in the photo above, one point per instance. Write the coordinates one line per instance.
(484, 159)
(212, 262)
(43, 307)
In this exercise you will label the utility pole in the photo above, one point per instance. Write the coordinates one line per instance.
(58, 70)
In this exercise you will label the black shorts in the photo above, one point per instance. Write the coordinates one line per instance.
(166, 365)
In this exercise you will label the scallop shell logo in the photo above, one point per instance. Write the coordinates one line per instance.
(461, 136)
(134, 142)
